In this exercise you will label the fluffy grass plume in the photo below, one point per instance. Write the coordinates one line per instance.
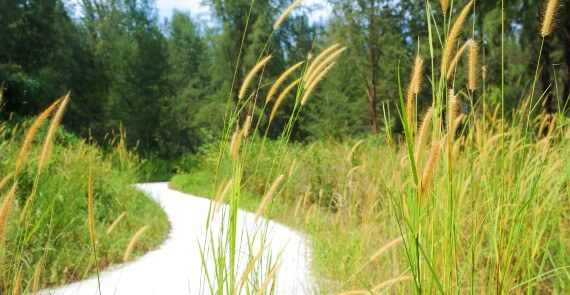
(115, 223)
(285, 13)
(444, 6)
(282, 97)
(315, 63)
(385, 248)
(36, 281)
(222, 196)
(455, 61)
(269, 196)
(472, 66)
(391, 282)
(280, 81)
(5, 210)
(17, 284)
(248, 269)
(452, 113)
(548, 16)
(269, 279)
(51, 132)
(423, 135)
(133, 242)
(453, 35)
(430, 166)
(48, 142)
(314, 84)
(235, 144)
(6, 179)
(31, 134)
(413, 90)
(311, 77)
(251, 74)
(352, 150)
(247, 126)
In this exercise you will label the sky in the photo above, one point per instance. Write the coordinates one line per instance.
(320, 10)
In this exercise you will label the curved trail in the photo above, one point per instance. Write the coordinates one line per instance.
(176, 267)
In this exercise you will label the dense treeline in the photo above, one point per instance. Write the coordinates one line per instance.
(168, 82)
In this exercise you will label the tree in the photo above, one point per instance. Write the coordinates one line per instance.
(130, 53)
(372, 31)
(188, 79)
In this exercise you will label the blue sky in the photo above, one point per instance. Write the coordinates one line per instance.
(165, 8)
(319, 9)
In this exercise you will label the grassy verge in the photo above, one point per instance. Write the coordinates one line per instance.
(49, 243)
(464, 201)
(347, 195)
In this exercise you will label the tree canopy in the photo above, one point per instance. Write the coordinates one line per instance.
(167, 83)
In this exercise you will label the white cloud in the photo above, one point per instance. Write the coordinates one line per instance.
(321, 9)
(196, 9)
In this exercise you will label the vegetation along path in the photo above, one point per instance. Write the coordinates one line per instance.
(176, 267)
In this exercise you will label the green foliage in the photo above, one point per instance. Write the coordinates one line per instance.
(57, 226)
(346, 205)
(168, 84)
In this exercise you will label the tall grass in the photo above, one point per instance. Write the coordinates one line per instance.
(472, 202)
(59, 194)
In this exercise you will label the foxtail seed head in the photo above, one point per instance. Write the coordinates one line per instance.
(425, 129)
(32, 134)
(17, 284)
(314, 83)
(391, 282)
(235, 144)
(548, 21)
(247, 126)
(133, 242)
(5, 211)
(115, 223)
(220, 199)
(472, 69)
(51, 133)
(269, 196)
(455, 61)
(453, 35)
(385, 248)
(453, 110)
(282, 97)
(251, 74)
(270, 277)
(37, 276)
(310, 77)
(444, 6)
(285, 13)
(5, 180)
(413, 90)
(315, 63)
(430, 167)
(280, 80)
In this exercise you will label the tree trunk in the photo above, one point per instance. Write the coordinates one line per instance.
(374, 60)
(373, 113)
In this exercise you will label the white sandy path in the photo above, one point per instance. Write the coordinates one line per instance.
(175, 268)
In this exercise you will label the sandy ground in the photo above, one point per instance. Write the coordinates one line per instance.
(177, 268)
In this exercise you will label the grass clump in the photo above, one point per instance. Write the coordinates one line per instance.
(355, 211)
(475, 202)
(64, 195)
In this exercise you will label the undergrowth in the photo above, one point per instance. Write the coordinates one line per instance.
(46, 237)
